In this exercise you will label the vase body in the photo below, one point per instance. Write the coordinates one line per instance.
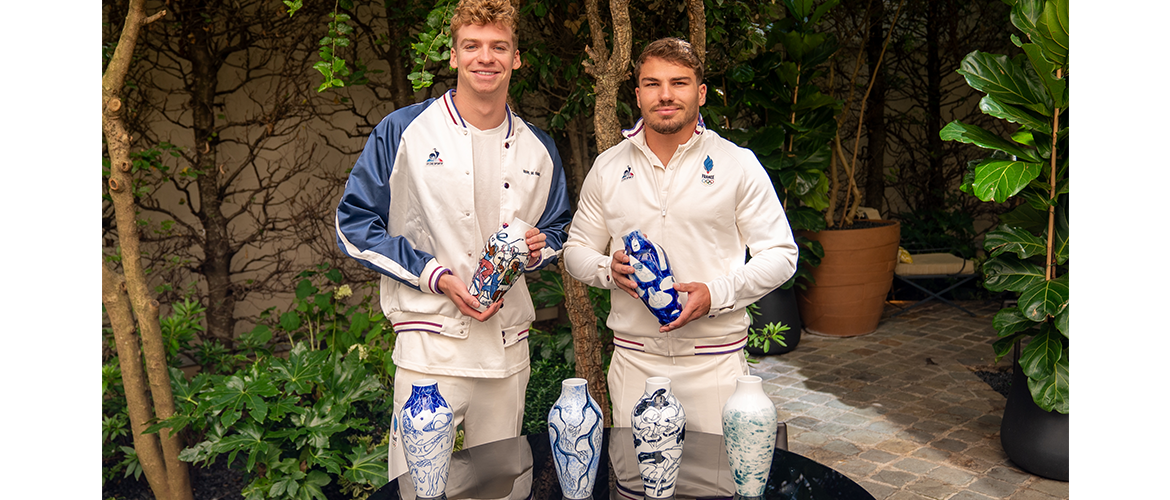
(1035, 440)
(778, 306)
(428, 434)
(653, 276)
(505, 254)
(659, 427)
(852, 280)
(749, 434)
(574, 434)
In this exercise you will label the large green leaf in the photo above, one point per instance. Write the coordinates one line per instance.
(1039, 357)
(1062, 322)
(971, 134)
(1008, 273)
(1060, 239)
(1045, 362)
(998, 180)
(993, 107)
(1014, 240)
(1053, 29)
(1003, 345)
(368, 467)
(1057, 87)
(1009, 321)
(301, 371)
(1025, 14)
(766, 140)
(1025, 217)
(1002, 78)
(805, 218)
(1044, 299)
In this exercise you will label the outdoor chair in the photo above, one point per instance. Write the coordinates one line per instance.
(928, 266)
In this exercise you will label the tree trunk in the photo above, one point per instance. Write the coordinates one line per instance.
(609, 69)
(177, 482)
(201, 87)
(875, 108)
(697, 19)
(936, 184)
(134, 381)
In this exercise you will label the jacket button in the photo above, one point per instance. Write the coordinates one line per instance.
(505, 185)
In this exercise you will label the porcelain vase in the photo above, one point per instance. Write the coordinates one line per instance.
(749, 434)
(653, 276)
(659, 427)
(428, 434)
(574, 433)
(505, 254)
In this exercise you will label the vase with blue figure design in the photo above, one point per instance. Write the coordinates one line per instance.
(653, 277)
(505, 255)
(749, 435)
(659, 427)
(574, 433)
(428, 435)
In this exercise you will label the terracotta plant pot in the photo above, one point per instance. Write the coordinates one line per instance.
(853, 279)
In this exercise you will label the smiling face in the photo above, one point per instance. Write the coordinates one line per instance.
(485, 55)
(669, 96)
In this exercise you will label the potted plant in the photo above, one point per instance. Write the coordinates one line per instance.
(846, 292)
(1028, 252)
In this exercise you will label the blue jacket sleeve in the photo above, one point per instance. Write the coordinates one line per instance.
(362, 214)
(556, 214)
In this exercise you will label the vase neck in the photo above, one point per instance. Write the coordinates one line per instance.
(654, 384)
(749, 384)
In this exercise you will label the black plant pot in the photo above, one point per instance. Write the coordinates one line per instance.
(1034, 439)
(778, 306)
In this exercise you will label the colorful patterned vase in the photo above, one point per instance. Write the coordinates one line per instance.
(505, 254)
(574, 432)
(653, 276)
(428, 434)
(659, 427)
(749, 433)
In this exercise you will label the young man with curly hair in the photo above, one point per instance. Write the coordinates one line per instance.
(706, 202)
(434, 180)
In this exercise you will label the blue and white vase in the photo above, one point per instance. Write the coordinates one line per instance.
(574, 432)
(653, 276)
(428, 435)
(659, 427)
(749, 433)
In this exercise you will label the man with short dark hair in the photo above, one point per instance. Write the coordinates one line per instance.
(434, 181)
(705, 202)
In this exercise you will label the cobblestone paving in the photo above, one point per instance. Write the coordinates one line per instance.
(901, 411)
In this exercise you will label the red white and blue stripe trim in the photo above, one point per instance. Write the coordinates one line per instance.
(457, 118)
(418, 326)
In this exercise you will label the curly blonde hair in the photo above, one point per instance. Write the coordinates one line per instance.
(484, 12)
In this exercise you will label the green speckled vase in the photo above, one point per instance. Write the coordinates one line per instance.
(749, 433)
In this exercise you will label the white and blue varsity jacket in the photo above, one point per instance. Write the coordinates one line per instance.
(408, 212)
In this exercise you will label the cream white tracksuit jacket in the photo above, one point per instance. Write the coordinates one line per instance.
(709, 204)
(408, 212)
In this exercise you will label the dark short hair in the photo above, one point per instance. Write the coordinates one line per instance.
(675, 50)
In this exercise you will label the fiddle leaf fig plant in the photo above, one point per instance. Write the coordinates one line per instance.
(1028, 252)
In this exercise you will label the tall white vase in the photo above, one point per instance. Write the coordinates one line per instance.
(659, 427)
(428, 434)
(574, 432)
(749, 433)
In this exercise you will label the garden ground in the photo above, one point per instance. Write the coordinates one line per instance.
(902, 411)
